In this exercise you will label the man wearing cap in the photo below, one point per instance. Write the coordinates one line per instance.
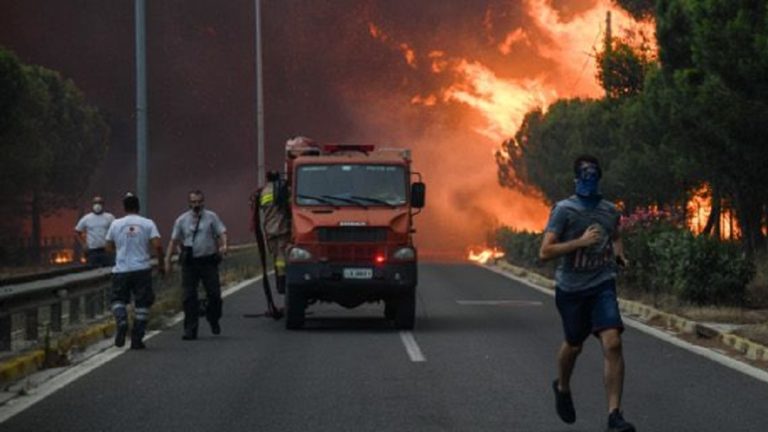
(133, 236)
(91, 232)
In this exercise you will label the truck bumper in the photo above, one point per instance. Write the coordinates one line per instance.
(326, 281)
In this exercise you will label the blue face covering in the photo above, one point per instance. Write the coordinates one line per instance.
(587, 181)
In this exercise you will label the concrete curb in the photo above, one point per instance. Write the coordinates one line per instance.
(751, 350)
(60, 348)
(21, 366)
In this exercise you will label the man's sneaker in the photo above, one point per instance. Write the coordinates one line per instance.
(215, 328)
(122, 330)
(187, 336)
(137, 345)
(616, 423)
(564, 405)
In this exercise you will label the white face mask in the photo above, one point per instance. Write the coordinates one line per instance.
(97, 208)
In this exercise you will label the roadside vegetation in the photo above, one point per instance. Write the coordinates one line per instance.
(51, 141)
(682, 119)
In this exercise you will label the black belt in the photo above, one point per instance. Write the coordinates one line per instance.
(206, 259)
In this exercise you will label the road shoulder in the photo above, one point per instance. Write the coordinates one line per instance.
(716, 344)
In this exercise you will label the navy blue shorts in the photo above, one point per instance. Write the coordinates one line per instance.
(588, 312)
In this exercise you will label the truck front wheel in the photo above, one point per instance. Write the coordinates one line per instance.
(390, 306)
(405, 312)
(295, 304)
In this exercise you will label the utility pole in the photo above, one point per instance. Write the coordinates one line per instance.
(260, 172)
(142, 190)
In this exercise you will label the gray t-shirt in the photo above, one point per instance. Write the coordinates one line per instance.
(95, 227)
(208, 232)
(584, 268)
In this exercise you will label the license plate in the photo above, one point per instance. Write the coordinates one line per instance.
(358, 273)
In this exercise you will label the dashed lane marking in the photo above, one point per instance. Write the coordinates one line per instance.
(411, 347)
(498, 303)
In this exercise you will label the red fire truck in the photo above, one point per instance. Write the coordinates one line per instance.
(351, 211)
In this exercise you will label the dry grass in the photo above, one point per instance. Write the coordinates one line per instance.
(730, 315)
(757, 333)
(757, 290)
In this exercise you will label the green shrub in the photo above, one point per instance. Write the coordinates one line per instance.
(522, 248)
(664, 259)
(699, 269)
(637, 247)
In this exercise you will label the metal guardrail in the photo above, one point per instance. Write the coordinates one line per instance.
(30, 309)
(46, 274)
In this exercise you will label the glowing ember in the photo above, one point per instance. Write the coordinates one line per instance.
(63, 256)
(485, 254)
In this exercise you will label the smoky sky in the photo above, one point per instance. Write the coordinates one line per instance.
(324, 77)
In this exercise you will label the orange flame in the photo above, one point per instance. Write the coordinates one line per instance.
(484, 254)
(699, 208)
(63, 256)
(493, 91)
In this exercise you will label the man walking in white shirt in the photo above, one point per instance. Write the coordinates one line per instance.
(132, 236)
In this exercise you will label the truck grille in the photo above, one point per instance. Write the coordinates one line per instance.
(353, 253)
(352, 235)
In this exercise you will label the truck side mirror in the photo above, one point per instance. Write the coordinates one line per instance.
(418, 192)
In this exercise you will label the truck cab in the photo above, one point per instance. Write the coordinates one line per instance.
(352, 210)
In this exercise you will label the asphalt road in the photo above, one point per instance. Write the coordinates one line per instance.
(487, 366)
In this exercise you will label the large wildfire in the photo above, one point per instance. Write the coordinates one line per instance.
(450, 79)
(544, 56)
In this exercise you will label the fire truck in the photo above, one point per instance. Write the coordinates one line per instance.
(351, 214)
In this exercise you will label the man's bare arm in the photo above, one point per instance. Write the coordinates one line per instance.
(171, 248)
(223, 243)
(81, 239)
(550, 248)
(110, 246)
(157, 245)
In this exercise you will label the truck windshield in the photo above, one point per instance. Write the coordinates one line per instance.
(351, 185)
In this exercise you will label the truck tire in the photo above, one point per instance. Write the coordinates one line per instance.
(390, 308)
(295, 304)
(405, 312)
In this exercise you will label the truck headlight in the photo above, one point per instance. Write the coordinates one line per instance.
(299, 254)
(406, 253)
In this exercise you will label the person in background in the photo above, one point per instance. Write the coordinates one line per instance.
(273, 204)
(203, 241)
(133, 237)
(91, 233)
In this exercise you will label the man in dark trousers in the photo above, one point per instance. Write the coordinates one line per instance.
(583, 232)
(203, 241)
(132, 237)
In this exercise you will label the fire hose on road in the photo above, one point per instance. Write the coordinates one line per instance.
(272, 310)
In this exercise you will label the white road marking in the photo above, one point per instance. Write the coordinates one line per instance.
(414, 352)
(541, 289)
(19, 404)
(708, 353)
(498, 303)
